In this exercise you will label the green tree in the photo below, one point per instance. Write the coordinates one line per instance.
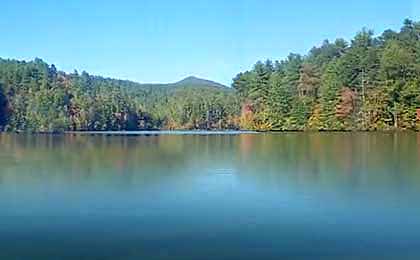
(3, 107)
(330, 87)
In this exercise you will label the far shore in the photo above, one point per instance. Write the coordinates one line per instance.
(200, 132)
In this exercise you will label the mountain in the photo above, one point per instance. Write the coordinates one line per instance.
(188, 82)
(197, 82)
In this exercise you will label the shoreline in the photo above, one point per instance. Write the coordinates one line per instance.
(199, 132)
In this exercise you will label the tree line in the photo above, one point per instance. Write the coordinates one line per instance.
(35, 97)
(369, 83)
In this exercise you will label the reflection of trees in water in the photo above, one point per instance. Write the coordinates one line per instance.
(418, 146)
(323, 160)
(97, 158)
(125, 160)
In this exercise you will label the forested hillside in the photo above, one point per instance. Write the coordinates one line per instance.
(34, 96)
(369, 83)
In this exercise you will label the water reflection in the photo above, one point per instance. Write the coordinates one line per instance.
(202, 196)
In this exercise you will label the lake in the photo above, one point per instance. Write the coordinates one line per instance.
(210, 196)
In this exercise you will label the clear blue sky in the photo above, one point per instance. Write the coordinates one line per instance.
(166, 40)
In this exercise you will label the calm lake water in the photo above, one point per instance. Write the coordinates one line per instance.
(236, 196)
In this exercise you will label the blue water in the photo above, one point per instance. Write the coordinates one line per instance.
(210, 196)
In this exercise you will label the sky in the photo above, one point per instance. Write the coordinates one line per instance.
(153, 41)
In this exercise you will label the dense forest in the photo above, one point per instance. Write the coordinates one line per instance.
(369, 83)
(35, 97)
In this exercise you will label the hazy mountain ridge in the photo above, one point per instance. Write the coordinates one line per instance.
(195, 81)
(190, 82)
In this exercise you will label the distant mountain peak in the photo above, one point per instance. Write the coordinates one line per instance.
(197, 82)
(192, 78)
